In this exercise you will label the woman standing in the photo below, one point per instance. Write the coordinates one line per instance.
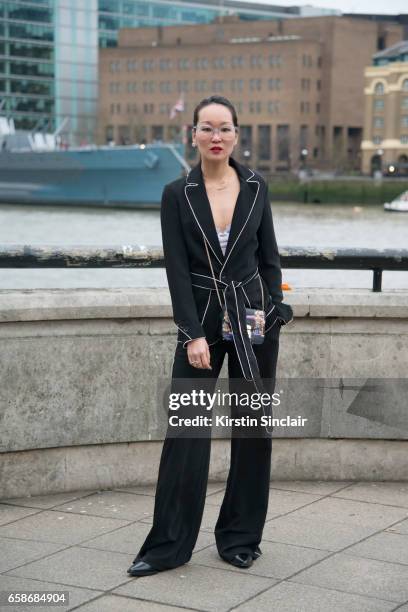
(220, 250)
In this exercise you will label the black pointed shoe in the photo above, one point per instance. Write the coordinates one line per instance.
(243, 560)
(257, 552)
(141, 568)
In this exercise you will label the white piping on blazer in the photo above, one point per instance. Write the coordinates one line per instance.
(248, 180)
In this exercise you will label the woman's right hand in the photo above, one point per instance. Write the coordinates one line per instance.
(198, 353)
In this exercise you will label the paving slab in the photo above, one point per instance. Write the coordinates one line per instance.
(116, 603)
(80, 567)
(9, 513)
(280, 501)
(314, 532)
(277, 561)
(199, 587)
(116, 504)
(400, 527)
(77, 596)
(326, 546)
(45, 502)
(392, 493)
(59, 527)
(289, 597)
(17, 552)
(384, 546)
(317, 487)
(360, 576)
(328, 509)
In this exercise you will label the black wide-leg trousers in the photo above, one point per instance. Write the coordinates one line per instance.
(183, 475)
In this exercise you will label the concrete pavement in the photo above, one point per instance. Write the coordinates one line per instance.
(338, 546)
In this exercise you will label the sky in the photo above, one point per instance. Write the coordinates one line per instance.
(348, 6)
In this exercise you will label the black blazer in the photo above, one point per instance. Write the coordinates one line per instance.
(186, 221)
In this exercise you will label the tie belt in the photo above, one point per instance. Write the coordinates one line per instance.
(234, 301)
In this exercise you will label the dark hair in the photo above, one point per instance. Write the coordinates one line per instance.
(215, 100)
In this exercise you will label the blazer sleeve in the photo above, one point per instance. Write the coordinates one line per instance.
(176, 259)
(269, 260)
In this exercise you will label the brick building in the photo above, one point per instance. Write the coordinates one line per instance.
(385, 142)
(297, 85)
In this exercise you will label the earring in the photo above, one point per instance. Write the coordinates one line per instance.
(194, 144)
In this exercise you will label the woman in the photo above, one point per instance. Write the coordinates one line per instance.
(220, 249)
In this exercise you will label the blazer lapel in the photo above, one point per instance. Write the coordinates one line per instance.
(197, 199)
(243, 208)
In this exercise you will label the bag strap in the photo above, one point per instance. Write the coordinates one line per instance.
(262, 291)
(212, 271)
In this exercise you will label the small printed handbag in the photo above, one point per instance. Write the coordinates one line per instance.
(254, 318)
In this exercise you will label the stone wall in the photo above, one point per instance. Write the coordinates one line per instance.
(79, 372)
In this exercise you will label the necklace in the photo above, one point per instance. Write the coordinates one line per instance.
(224, 184)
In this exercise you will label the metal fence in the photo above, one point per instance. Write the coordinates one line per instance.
(134, 256)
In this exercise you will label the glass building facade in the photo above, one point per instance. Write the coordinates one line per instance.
(49, 65)
(116, 14)
(49, 52)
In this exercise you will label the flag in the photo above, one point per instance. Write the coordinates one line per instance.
(178, 107)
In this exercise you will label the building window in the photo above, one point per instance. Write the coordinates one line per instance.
(405, 85)
(377, 140)
(275, 60)
(245, 135)
(255, 84)
(273, 107)
(378, 122)
(109, 133)
(114, 87)
(379, 89)
(237, 61)
(201, 62)
(165, 64)
(318, 85)
(131, 65)
(183, 63)
(274, 84)
(404, 120)
(254, 107)
(219, 62)
(164, 109)
(283, 138)
(404, 102)
(378, 105)
(307, 60)
(148, 65)
(157, 132)
(200, 85)
(256, 61)
(404, 139)
(182, 86)
(264, 142)
(114, 66)
(237, 85)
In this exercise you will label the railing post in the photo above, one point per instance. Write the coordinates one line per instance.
(377, 279)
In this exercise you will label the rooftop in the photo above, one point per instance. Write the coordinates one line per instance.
(395, 53)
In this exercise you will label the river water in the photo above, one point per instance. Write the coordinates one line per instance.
(312, 225)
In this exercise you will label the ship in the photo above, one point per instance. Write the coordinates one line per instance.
(37, 168)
